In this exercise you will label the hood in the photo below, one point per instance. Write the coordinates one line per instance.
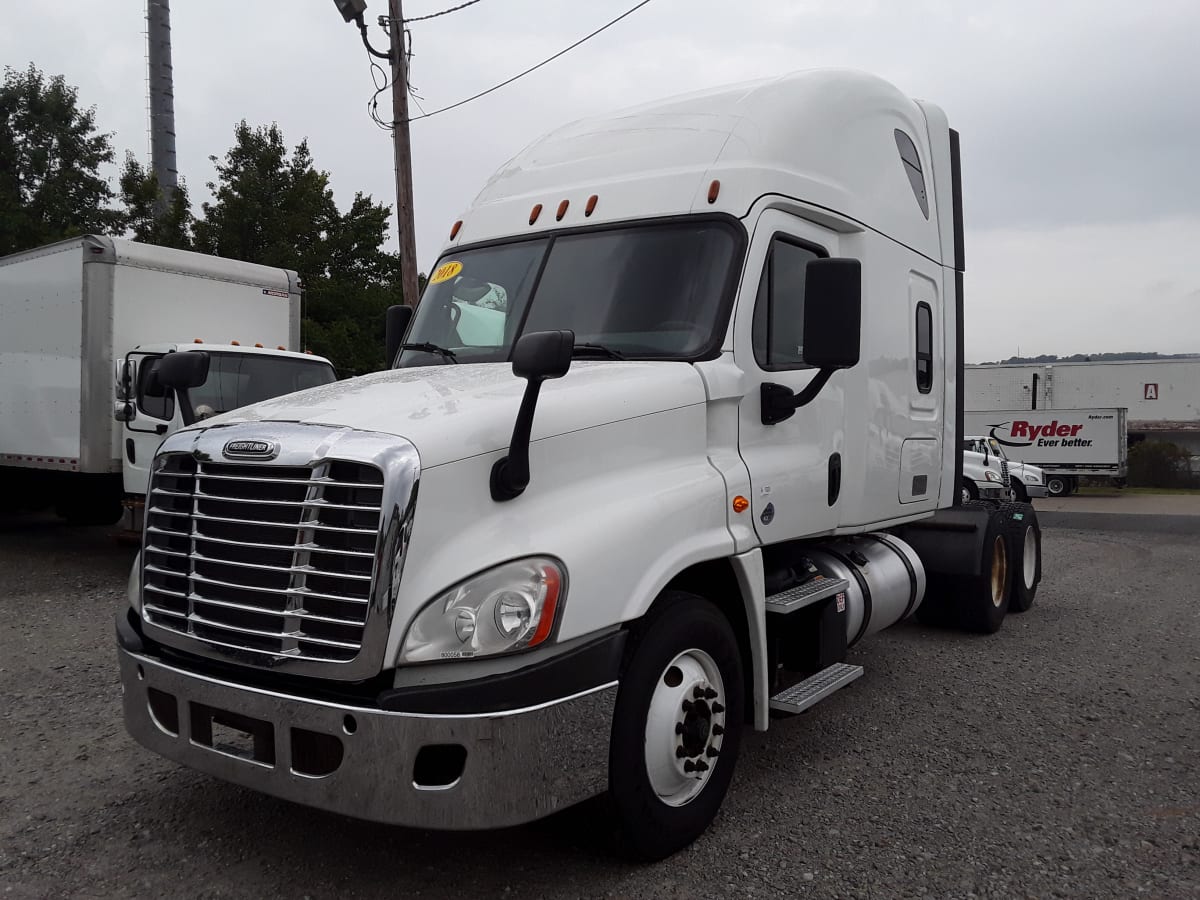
(453, 412)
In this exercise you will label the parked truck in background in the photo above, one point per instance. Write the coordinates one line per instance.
(1025, 481)
(85, 326)
(1066, 444)
(704, 435)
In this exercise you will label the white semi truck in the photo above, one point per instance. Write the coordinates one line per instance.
(677, 422)
(85, 328)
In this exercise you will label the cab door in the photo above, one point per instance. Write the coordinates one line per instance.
(155, 415)
(795, 465)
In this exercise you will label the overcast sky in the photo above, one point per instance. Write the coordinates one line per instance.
(1080, 119)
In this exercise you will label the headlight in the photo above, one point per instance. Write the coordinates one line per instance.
(508, 608)
(989, 475)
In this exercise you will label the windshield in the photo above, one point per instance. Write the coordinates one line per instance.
(995, 447)
(648, 292)
(236, 380)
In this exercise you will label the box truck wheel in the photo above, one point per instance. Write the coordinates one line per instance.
(1016, 490)
(1057, 486)
(677, 726)
(1024, 553)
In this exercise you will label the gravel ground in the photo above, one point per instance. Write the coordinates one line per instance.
(1058, 758)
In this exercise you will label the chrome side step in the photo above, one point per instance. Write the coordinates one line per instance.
(812, 591)
(815, 688)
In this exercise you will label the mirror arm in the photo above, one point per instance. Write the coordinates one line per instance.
(510, 474)
(779, 403)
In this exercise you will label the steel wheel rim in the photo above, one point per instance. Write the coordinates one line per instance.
(684, 727)
(999, 570)
(1029, 556)
(966, 495)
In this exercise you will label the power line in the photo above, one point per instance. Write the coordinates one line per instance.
(551, 59)
(444, 12)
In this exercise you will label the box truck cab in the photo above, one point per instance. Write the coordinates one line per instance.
(675, 424)
(1026, 480)
(213, 379)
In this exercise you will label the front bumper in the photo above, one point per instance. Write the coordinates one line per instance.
(449, 771)
(989, 490)
(1036, 490)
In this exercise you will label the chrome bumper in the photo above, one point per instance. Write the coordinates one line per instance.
(519, 765)
(1036, 490)
(990, 491)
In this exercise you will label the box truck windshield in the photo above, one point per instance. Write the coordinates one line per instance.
(648, 292)
(240, 380)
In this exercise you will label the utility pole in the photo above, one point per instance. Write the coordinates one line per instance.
(353, 11)
(405, 222)
(162, 101)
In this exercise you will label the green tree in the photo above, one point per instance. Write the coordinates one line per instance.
(140, 195)
(50, 157)
(277, 209)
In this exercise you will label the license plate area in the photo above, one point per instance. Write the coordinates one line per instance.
(233, 734)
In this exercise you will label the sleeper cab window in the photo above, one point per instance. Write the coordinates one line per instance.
(924, 348)
(911, 161)
(778, 328)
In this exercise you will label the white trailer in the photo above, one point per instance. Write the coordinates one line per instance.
(676, 423)
(82, 324)
(1161, 396)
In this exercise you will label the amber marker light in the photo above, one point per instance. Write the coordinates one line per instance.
(562, 210)
(591, 205)
(549, 605)
(713, 190)
(535, 212)
(740, 504)
(454, 229)
(235, 343)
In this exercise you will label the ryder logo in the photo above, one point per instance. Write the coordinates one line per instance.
(1021, 433)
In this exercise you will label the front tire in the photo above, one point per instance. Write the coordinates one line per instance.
(968, 491)
(1057, 486)
(1017, 490)
(677, 726)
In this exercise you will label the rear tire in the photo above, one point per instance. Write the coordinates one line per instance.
(975, 603)
(1024, 553)
(663, 730)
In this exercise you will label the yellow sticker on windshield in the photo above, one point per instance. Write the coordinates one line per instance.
(445, 272)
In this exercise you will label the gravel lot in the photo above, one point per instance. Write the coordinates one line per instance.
(1058, 758)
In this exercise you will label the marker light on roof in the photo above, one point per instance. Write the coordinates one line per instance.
(535, 212)
(455, 228)
(591, 205)
(713, 190)
(562, 210)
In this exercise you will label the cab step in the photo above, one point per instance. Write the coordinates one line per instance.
(815, 688)
(812, 591)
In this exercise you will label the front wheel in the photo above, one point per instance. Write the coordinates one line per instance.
(968, 491)
(677, 726)
(1017, 492)
(1057, 486)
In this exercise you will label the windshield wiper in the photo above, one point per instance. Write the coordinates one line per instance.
(431, 348)
(596, 350)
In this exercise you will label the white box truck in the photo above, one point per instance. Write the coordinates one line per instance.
(676, 424)
(84, 324)
(1066, 444)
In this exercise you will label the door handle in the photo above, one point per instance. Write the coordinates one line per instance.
(835, 477)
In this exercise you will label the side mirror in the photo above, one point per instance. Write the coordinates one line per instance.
(832, 313)
(398, 318)
(536, 357)
(124, 377)
(183, 370)
(832, 333)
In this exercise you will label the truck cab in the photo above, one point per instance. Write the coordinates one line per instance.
(675, 425)
(226, 376)
(1026, 481)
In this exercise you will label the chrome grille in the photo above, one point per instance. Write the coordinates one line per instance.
(269, 558)
(1004, 472)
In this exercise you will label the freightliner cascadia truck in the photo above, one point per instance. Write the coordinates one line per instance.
(92, 328)
(676, 423)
